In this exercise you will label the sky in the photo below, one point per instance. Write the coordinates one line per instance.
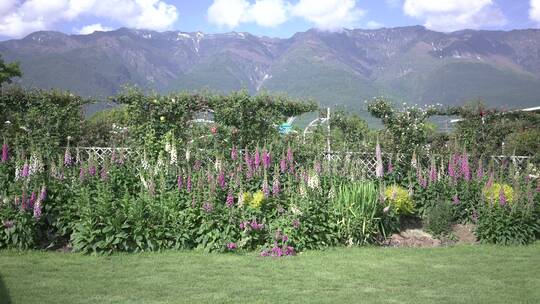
(274, 18)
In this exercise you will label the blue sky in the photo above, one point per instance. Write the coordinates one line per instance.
(276, 18)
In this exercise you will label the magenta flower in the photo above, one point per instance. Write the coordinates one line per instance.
(490, 180)
(455, 200)
(179, 182)
(8, 224)
(207, 207)
(451, 167)
(37, 210)
(81, 173)
(502, 197)
(283, 165)
(104, 174)
(275, 187)
(465, 169)
(92, 170)
(432, 173)
(266, 159)
(265, 188)
(420, 178)
(230, 200)
(221, 179)
(231, 246)
(296, 223)
(317, 167)
(25, 170)
(68, 160)
(290, 158)
(480, 170)
(5, 153)
(43, 194)
(256, 226)
(197, 165)
(257, 159)
(242, 226)
(188, 184)
(390, 168)
(234, 153)
(248, 160)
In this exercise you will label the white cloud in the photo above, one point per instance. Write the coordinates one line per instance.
(534, 11)
(329, 14)
(374, 24)
(230, 13)
(324, 14)
(96, 27)
(18, 19)
(455, 14)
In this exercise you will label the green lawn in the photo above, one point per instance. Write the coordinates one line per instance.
(463, 274)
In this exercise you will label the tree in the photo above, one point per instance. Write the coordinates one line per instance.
(8, 71)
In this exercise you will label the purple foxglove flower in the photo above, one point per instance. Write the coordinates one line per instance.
(104, 174)
(25, 170)
(289, 250)
(81, 173)
(266, 159)
(465, 169)
(296, 223)
(221, 179)
(24, 202)
(257, 159)
(92, 171)
(264, 253)
(265, 188)
(283, 165)
(234, 153)
(275, 187)
(390, 168)
(284, 238)
(455, 200)
(33, 198)
(420, 178)
(68, 160)
(317, 167)
(432, 173)
(290, 158)
(5, 153)
(179, 182)
(231, 246)
(8, 224)
(230, 200)
(197, 165)
(502, 197)
(379, 170)
(207, 207)
(242, 226)
(37, 210)
(188, 184)
(451, 167)
(490, 180)
(43, 194)
(480, 170)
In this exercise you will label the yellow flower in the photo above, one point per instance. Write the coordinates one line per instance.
(257, 200)
(400, 199)
(493, 194)
(162, 118)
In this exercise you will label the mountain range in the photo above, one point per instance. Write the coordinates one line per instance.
(408, 64)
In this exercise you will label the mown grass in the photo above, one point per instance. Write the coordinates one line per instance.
(462, 274)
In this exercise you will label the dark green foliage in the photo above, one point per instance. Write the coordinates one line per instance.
(439, 219)
(508, 225)
(8, 71)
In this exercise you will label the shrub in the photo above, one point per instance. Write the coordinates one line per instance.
(498, 192)
(399, 199)
(507, 225)
(439, 218)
